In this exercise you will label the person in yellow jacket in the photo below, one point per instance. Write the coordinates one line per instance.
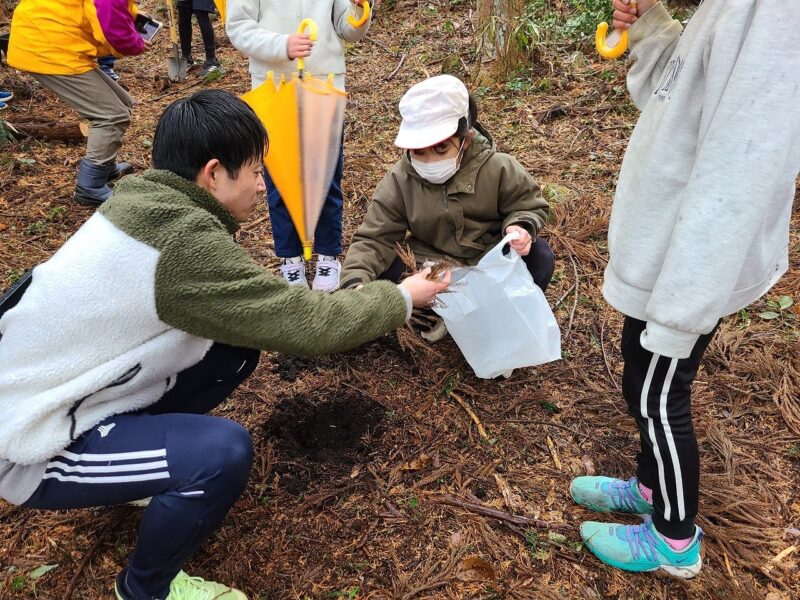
(57, 42)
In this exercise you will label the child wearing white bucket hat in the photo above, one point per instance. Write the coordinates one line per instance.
(451, 194)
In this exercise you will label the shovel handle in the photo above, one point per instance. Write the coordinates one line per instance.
(364, 16)
(610, 52)
(173, 34)
(310, 27)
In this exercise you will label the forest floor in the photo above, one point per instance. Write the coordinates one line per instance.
(360, 457)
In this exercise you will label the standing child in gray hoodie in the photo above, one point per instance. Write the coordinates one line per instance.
(266, 31)
(699, 229)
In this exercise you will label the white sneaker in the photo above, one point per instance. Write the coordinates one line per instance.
(294, 272)
(436, 333)
(326, 277)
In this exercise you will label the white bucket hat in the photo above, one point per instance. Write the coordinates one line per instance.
(431, 110)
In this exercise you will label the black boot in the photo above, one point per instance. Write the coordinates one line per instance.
(118, 169)
(92, 188)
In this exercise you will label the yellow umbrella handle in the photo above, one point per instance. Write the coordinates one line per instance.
(611, 52)
(311, 27)
(364, 16)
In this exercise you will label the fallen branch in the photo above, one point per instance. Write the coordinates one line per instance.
(397, 68)
(554, 453)
(500, 515)
(575, 303)
(177, 90)
(605, 356)
(472, 415)
(89, 555)
(39, 129)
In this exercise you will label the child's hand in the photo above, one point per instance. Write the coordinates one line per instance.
(298, 45)
(523, 243)
(422, 290)
(625, 15)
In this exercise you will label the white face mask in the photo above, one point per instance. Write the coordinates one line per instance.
(440, 171)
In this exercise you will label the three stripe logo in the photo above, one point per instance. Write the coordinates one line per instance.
(106, 429)
(117, 467)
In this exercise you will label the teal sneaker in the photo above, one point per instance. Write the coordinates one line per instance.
(640, 548)
(606, 494)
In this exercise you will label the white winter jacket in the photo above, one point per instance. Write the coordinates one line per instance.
(261, 28)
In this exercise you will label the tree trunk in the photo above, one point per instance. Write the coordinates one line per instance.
(497, 22)
(51, 130)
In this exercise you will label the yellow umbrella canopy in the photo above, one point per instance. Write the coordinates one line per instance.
(304, 117)
(220, 4)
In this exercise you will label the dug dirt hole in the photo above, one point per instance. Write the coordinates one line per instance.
(319, 439)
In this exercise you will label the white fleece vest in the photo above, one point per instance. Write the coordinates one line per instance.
(58, 381)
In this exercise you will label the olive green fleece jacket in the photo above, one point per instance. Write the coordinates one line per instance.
(139, 294)
(208, 285)
(460, 219)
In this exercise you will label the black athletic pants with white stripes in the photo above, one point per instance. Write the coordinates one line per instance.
(658, 390)
(194, 466)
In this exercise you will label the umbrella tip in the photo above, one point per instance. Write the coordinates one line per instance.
(307, 252)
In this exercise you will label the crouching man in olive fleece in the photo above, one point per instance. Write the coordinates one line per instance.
(147, 318)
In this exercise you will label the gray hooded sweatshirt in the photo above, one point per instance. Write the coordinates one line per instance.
(700, 223)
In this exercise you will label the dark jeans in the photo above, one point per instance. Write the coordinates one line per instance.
(185, 12)
(540, 262)
(194, 467)
(328, 234)
(658, 390)
(106, 62)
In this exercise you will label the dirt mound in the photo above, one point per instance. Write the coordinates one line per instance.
(289, 368)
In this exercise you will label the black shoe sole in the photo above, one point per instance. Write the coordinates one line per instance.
(86, 200)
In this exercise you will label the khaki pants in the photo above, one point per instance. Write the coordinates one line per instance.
(100, 100)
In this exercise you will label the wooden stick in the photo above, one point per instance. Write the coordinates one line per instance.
(472, 415)
(500, 515)
(553, 453)
(728, 567)
(89, 555)
(783, 554)
(575, 303)
(605, 356)
(397, 68)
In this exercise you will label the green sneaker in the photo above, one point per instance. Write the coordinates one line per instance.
(184, 587)
(640, 548)
(606, 494)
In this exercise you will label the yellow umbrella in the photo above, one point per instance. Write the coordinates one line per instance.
(614, 45)
(304, 117)
(220, 4)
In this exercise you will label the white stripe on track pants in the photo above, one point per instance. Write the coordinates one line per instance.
(658, 390)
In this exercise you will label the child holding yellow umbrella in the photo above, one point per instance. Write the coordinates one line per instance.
(266, 31)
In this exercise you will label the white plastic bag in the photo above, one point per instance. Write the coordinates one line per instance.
(499, 317)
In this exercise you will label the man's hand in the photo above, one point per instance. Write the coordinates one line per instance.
(298, 45)
(422, 290)
(625, 15)
(523, 243)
